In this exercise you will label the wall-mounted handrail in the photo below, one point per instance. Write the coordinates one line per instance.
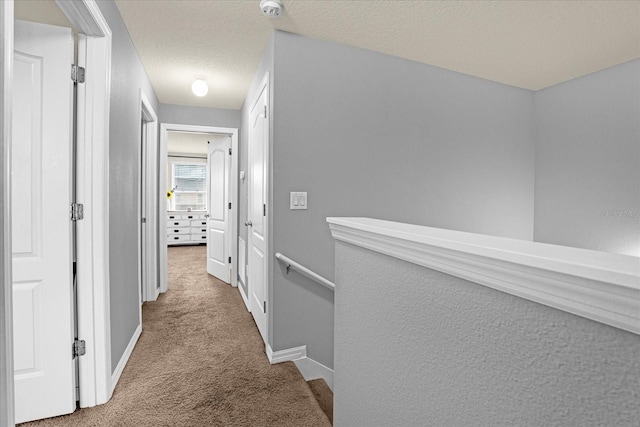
(304, 270)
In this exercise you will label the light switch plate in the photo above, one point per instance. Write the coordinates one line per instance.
(298, 200)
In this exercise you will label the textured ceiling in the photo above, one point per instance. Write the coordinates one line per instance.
(528, 44)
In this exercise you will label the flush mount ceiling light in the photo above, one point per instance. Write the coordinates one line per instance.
(271, 8)
(199, 87)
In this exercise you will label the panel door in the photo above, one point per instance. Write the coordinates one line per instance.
(41, 226)
(257, 233)
(218, 171)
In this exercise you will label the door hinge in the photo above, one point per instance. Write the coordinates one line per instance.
(229, 205)
(77, 74)
(144, 220)
(229, 151)
(79, 348)
(229, 260)
(265, 111)
(264, 304)
(77, 211)
(264, 210)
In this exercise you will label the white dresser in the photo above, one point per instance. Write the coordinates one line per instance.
(186, 228)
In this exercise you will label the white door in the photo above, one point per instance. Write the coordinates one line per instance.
(41, 227)
(218, 171)
(257, 231)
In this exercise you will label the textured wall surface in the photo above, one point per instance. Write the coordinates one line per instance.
(587, 190)
(416, 347)
(127, 78)
(366, 134)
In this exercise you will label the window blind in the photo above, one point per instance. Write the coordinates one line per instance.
(190, 177)
(191, 182)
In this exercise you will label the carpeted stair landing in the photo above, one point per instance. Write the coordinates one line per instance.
(200, 361)
(323, 395)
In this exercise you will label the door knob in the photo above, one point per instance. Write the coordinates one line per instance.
(206, 215)
(248, 223)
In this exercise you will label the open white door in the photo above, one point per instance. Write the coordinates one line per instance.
(257, 232)
(41, 226)
(218, 233)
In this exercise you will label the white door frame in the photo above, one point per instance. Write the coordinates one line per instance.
(165, 128)
(149, 131)
(6, 285)
(94, 52)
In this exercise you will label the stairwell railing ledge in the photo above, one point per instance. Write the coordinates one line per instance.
(305, 271)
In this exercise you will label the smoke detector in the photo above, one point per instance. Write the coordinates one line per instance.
(271, 8)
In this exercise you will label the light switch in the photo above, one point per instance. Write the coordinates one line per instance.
(298, 200)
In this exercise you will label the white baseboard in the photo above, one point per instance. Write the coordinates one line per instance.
(244, 296)
(115, 377)
(311, 370)
(242, 260)
(286, 355)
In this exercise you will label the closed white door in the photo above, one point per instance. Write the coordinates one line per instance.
(218, 171)
(41, 226)
(257, 223)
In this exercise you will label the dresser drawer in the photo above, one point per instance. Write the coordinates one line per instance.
(178, 238)
(178, 223)
(191, 216)
(175, 230)
(201, 237)
(198, 222)
(198, 230)
(171, 217)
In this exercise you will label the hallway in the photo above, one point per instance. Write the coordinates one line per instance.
(200, 362)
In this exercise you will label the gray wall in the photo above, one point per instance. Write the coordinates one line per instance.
(587, 191)
(366, 134)
(266, 65)
(127, 78)
(416, 347)
(184, 115)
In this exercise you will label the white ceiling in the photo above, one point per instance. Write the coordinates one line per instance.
(42, 11)
(528, 44)
(190, 143)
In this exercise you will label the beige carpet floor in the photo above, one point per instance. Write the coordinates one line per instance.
(200, 361)
(323, 395)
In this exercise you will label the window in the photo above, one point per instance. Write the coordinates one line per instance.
(190, 182)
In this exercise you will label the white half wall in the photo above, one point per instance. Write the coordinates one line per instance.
(418, 347)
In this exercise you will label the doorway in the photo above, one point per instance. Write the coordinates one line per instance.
(148, 191)
(201, 195)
